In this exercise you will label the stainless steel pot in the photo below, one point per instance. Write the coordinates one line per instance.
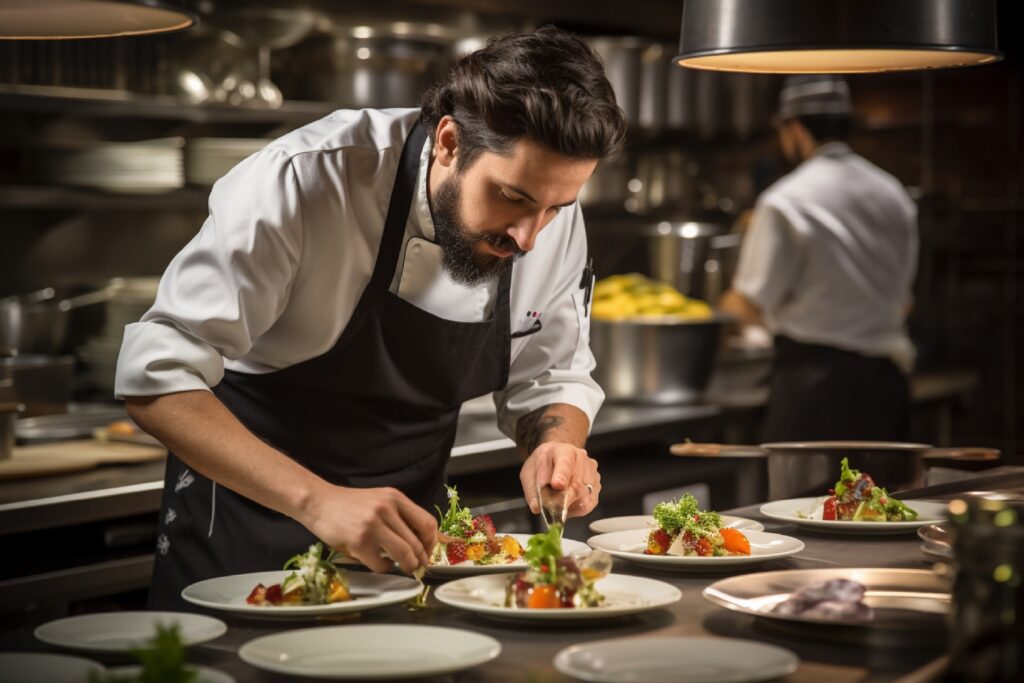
(811, 468)
(37, 323)
(654, 362)
(623, 59)
(383, 65)
(678, 252)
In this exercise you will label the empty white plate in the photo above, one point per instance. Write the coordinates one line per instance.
(371, 652)
(676, 660)
(203, 674)
(630, 545)
(469, 569)
(43, 667)
(125, 631)
(806, 512)
(228, 593)
(623, 595)
(629, 522)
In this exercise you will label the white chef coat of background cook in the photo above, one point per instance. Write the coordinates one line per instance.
(277, 269)
(831, 253)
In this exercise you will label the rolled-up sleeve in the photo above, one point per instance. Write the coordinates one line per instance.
(554, 365)
(225, 288)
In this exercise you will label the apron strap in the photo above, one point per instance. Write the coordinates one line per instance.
(398, 208)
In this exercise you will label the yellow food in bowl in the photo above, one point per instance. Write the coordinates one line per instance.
(634, 296)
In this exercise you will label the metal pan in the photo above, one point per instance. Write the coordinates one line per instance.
(810, 468)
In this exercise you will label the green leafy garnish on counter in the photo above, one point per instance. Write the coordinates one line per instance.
(163, 661)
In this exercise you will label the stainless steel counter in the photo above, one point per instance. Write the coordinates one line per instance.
(528, 650)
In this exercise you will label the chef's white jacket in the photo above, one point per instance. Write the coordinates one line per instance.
(275, 273)
(831, 253)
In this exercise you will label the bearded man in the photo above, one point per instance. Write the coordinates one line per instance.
(357, 281)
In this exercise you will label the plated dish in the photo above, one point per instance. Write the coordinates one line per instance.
(126, 631)
(857, 498)
(676, 660)
(314, 580)
(366, 590)
(553, 581)
(682, 529)
(465, 539)
(631, 546)
(370, 652)
(629, 522)
(623, 595)
(897, 598)
(806, 513)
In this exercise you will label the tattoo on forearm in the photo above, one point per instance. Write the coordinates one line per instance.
(532, 427)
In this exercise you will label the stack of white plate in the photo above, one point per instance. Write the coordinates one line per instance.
(208, 159)
(131, 298)
(145, 166)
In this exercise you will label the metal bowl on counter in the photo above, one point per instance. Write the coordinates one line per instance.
(658, 360)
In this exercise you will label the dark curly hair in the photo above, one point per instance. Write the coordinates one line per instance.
(547, 86)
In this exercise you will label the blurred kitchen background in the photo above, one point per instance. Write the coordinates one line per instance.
(110, 147)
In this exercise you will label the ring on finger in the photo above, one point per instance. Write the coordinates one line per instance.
(590, 488)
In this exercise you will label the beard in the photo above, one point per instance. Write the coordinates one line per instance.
(465, 265)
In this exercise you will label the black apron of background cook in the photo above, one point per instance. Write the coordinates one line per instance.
(377, 409)
(821, 393)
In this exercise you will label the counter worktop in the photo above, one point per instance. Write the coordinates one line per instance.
(528, 649)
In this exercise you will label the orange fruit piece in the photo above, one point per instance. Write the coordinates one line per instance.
(735, 542)
(476, 551)
(511, 547)
(543, 597)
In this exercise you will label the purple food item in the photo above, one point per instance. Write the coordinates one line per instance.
(835, 600)
(839, 611)
(838, 590)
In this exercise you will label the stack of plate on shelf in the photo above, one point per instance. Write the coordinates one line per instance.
(144, 166)
(130, 298)
(208, 159)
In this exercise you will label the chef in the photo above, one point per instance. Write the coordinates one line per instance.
(827, 266)
(357, 281)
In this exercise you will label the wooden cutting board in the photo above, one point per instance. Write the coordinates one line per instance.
(71, 456)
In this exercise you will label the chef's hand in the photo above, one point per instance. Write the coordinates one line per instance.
(363, 522)
(564, 466)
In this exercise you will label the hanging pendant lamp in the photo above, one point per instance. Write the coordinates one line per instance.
(836, 36)
(56, 19)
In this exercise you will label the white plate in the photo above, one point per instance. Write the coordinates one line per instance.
(789, 511)
(378, 651)
(902, 599)
(623, 595)
(43, 667)
(470, 569)
(938, 552)
(676, 660)
(228, 593)
(630, 522)
(125, 631)
(205, 674)
(629, 545)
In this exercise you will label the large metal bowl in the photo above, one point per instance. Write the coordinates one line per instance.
(657, 361)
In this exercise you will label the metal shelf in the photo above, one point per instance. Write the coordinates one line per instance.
(94, 103)
(71, 198)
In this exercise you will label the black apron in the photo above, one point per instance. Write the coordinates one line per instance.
(378, 409)
(822, 393)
